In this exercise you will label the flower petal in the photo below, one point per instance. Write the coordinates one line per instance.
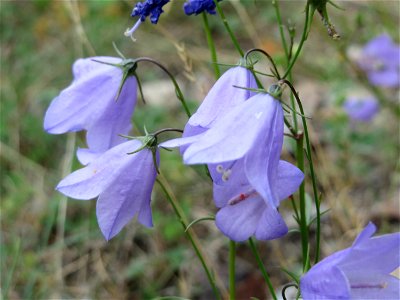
(328, 283)
(105, 132)
(86, 156)
(129, 193)
(289, 179)
(223, 96)
(233, 135)
(239, 221)
(88, 97)
(87, 183)
(271, 225)
(261, 163)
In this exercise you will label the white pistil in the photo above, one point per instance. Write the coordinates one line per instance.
(369, 286)
(129, 32)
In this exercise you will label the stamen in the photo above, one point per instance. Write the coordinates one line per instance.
(241, 197)
(225, 176)
(129, 32)
(220, 169)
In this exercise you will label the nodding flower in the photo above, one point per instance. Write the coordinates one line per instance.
(362, 271)
(380, 60)
(122, 179)
(100, 100)
(152, 8)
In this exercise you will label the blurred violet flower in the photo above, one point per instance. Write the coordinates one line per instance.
(361, 109)
(243, 211)
(222, 97)
(362, 271)
(198, 6)
(380, 59)
(252, 130)
(90, 103)
(152, 8)
(121, 180)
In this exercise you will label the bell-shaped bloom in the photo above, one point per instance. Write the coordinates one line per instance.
(90, 103)
(147, 8)
(122, 182)
(228, 92)
(363, 271)
(381, 61)
(196, 7)
(361, 109)
(252, 130)
(244, 212)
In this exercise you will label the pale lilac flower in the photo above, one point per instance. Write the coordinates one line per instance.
(362, 271)
(381, 61)
(196, 7)
(90, 103)
(243, 211)
(122, 182)
(361, 109)
(226, 93)
(252, 130)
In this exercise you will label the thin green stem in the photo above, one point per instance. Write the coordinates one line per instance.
(280, 24)
(313, 175)
(232, 256)
(262, 268)
(189, 233)
(287, 55)
(211, 46)
(228, 28)
(178, 90)
(303, 216)
(307, 24)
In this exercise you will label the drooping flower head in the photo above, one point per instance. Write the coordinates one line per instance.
(362, 271)
(361, 109)
(243, 211)
(121, 180)
(381, 61)
(152, 8)
(226, 93)
(252, 130)
(196, 7)
(95, 102)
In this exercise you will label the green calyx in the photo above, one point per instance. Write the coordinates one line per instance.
(149, 141)
(275, 91)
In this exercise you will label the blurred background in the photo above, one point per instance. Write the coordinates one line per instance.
(51, 247)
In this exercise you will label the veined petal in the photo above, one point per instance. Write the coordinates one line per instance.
(289, 179)
(179, 142)
(223, 96)
(328, 283)
(271, 225)
(261, 163)
(239, 221)
(86, 156)
(89, 182)
(233, 135)
(127, 195)
(105, 132)
(85, 100)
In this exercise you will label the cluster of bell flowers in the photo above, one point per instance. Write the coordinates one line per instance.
(237, 133)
